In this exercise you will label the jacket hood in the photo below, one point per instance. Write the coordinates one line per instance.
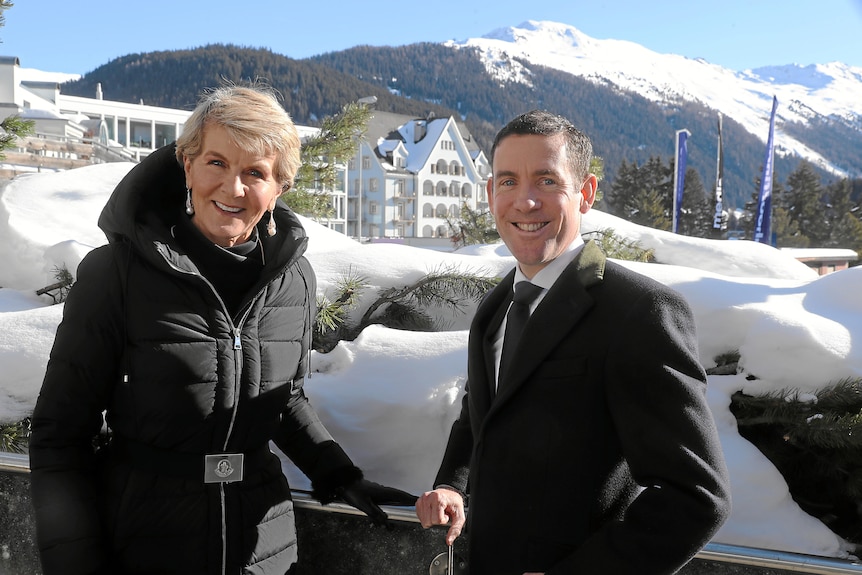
(150, 200)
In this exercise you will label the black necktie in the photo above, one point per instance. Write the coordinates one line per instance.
(516, 321)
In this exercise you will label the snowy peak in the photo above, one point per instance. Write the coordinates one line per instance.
(534, 31)
(822, 92)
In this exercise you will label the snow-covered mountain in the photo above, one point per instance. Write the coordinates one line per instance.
(829, 92)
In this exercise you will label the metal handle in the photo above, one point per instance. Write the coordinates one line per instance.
(448, 563)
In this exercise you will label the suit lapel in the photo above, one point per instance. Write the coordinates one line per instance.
(555, 317)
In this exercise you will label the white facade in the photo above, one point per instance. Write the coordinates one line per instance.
(131, 130)
(138, 128)
(414, 176)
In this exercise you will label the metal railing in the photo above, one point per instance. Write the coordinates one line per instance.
(718, 552)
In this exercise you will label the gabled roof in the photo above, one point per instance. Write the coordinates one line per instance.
(385, 125)
(386, 130)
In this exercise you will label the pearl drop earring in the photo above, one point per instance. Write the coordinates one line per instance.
(190, 208)
(270, 226)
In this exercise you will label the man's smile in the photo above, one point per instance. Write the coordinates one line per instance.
(530, 226)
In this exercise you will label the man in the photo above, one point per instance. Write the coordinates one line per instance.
(594, 450)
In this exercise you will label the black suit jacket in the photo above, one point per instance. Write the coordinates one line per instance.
(600, 454)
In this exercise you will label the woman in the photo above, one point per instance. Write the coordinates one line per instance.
(191, 331)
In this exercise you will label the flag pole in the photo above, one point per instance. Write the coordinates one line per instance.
(679, 174)
(719, 175)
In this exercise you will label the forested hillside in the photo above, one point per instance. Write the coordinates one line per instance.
(174, 79)
(432, 78)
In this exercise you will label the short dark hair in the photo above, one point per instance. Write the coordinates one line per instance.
(579, 149)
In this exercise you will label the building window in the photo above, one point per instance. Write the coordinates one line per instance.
(141, 136)
(441, 188)
(441, 211)
(427, 232)
(165, 134)
(454, 189)
(373, 184)
(372, 208)
(366, 163)
(399, 187)
(427, 211)
(466, 191)
(427, 188)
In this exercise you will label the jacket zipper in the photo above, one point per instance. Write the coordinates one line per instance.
(237, 346)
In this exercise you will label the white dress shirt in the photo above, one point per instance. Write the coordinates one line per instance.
(545, 278)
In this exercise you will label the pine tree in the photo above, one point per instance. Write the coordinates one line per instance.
(623, 186)
(804, 201)
(786, 230)
(321, 155)
(845, 230)
(649, 209)
(695, 218)
(643, 194)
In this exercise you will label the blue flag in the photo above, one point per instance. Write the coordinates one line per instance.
(679, 175)
(762, 221)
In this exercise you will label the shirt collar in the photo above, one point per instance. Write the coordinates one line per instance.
(546, 277)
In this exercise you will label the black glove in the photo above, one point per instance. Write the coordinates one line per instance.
(367, 496)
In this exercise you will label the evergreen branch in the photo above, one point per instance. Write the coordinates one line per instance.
(13, 127)
(445, 287)
(330, 315)
(14, 436)
(620, 248)
(330, 323)
(815, 442)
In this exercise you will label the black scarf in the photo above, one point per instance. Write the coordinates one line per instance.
(232, 271)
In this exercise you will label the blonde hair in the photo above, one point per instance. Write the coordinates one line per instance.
(255, 121)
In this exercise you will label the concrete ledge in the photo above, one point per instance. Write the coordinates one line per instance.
(338, 540)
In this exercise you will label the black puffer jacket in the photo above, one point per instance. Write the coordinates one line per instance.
(145, 337)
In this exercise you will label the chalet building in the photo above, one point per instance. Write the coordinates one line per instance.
(411, 176)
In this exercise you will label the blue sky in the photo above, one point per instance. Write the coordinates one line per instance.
(77, 37)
